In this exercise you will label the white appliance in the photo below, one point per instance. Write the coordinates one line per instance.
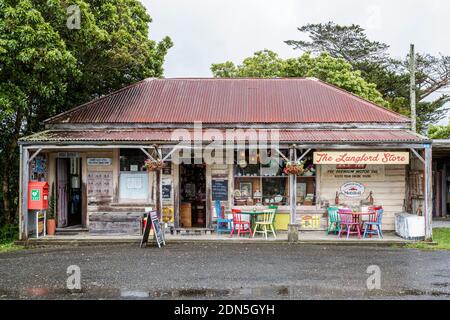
(409, 226)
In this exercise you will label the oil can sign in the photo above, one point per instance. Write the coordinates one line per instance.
(352, 189)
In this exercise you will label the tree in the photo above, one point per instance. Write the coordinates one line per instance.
(347, 42)
(47, 68)
(391, 76)
(267, 64)
(439, 132)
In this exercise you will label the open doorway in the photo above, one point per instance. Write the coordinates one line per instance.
(193, 196)
(69, 192)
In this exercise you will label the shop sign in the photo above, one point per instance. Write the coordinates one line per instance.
(99, 161)
(353, 172)
(343, 157)
(68, 155)
(352, 189)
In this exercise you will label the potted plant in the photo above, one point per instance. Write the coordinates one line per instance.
(51, 223)
(297, 168)
(153, 165)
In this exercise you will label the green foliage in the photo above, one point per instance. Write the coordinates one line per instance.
(51, 204)
(439, 132)
(391, 76)
(9, 233)
(47, 68)
(347, 42)
(267, 64)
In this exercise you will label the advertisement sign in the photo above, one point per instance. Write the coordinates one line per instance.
(353, 172)
(358, 157)
(99, 161)
(352, 189)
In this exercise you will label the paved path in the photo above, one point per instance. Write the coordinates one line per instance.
(441, 223)
(222, 270)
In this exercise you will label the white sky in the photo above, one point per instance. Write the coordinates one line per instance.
(213, 31)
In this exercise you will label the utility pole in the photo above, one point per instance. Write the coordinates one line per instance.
(412, 70)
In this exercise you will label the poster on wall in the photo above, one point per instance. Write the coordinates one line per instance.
(358, 157)
(166, 189)
(353, 172)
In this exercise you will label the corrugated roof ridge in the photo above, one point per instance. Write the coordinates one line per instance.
(96, 100)
(384, 109)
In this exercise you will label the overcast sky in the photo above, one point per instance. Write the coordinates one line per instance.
(212, 31)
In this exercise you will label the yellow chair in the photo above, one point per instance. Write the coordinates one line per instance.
(265, 224)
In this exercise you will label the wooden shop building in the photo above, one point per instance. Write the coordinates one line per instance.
(355, 151)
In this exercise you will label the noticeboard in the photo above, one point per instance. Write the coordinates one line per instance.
(220, 190)
(154, 224)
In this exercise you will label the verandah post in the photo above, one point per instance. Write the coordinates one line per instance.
(293, 227)
(428, 194)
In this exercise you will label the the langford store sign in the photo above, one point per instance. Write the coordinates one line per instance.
(342, 157)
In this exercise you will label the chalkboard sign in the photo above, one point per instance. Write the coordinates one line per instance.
(220, 190)
(154, 224)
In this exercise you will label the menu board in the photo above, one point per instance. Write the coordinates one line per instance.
(154, 224)
(220, 190)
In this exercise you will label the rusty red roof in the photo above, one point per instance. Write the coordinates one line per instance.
(155, 135)
(224, 101)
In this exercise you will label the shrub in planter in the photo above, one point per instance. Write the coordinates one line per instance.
(51, 222)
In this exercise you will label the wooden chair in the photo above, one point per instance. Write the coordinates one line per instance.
(374, 227)
(348, 224)
(239, 224)
(223, 224)
(333, 220)
(265, 224)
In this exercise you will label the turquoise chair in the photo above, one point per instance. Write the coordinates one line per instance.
(333, 220)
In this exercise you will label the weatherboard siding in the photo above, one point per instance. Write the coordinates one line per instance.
(389, 193)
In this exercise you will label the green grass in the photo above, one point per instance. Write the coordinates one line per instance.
(441, 236)
(9, 234)
(9, 247)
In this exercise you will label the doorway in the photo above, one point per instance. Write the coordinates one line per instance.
(69, 192)
(193, 195)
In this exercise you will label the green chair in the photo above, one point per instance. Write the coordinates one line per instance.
(265, 225)
(333, 220)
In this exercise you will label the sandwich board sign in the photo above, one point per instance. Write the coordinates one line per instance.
(154, 224)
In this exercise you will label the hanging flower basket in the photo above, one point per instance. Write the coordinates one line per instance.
(153, 165)
(296, 168)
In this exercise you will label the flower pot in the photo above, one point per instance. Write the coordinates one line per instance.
(51, 227)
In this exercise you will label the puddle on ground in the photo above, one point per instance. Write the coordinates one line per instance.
(267, 292)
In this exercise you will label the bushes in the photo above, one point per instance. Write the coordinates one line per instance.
(9, 233)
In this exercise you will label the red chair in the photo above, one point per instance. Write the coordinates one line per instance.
(347, 223)
(239, 224)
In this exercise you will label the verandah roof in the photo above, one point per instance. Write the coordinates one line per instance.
(159, 135)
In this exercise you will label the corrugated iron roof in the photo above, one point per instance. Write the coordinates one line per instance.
(230, 101)
(154, 135)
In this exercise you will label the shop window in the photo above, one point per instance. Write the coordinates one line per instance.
(267, 184)
(260, 183)
(132, 160)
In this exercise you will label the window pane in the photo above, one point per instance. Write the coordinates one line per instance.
(275, 191)
(132, 160)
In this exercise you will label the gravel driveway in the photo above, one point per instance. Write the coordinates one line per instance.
(225, 271)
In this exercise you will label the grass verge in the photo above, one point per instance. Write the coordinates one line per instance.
(9, 234)
(440, 235)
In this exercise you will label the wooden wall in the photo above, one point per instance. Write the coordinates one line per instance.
(389, 193)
